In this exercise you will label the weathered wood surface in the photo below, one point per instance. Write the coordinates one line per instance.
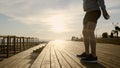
(62, 54)
(11, 45)
(21, 60)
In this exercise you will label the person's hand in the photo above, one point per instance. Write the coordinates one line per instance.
(106, 15)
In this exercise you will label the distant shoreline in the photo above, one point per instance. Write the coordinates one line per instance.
(109, 40)
(115, 41)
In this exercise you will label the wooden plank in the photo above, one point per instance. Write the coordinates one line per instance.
(107, 54)
(62, 60)
(70, 61)
(38, 62)
(18, 59)
(108, 62)
(84, 65)
(72, 50)
(47, 61)
(54, 59)
(77, 48)
(109, 49)
(63, 55)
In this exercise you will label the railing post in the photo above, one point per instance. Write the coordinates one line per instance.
(8, 43)
(3, 43)
(14, 44)
(20, 43)
(23, 43)
(27, 42)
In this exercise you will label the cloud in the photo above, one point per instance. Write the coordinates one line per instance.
(34, 12)
(43, 12)
(111, 3)
(38, 11)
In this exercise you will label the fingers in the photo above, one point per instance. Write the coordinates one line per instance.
(106, 16)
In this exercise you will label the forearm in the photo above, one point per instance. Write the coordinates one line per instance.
(103, 8)
(102, 5)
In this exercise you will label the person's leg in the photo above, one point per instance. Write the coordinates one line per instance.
(92, 18)
(91, 29)
(86, 38)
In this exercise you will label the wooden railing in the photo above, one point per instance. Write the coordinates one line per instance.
(10, 45)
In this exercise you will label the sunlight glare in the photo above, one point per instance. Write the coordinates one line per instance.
(58, 25)
(59, 44)
(59, 40)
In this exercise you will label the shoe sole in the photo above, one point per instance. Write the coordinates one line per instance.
(95, 61)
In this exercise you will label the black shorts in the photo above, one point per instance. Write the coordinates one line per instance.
(92, 16)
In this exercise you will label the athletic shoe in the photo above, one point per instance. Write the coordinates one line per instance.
(83, 55)
(90, 59)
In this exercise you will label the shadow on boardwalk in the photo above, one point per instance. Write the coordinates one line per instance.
(92, 65)
(34, 55)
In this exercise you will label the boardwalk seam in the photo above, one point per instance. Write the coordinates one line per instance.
(42, 60)
(64, 58)
(71, 57)
(57, 58)
(50, 58)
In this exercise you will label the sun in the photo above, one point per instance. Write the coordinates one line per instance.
(57, 23)
(58, 28)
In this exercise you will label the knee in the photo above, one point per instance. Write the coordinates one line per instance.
(84, 32)
(91, 32)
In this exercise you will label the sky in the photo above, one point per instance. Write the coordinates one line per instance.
(51, 19)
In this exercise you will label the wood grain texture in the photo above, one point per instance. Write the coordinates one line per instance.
(63, 55)
(21, 60)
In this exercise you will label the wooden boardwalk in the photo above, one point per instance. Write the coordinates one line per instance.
(62, 54)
